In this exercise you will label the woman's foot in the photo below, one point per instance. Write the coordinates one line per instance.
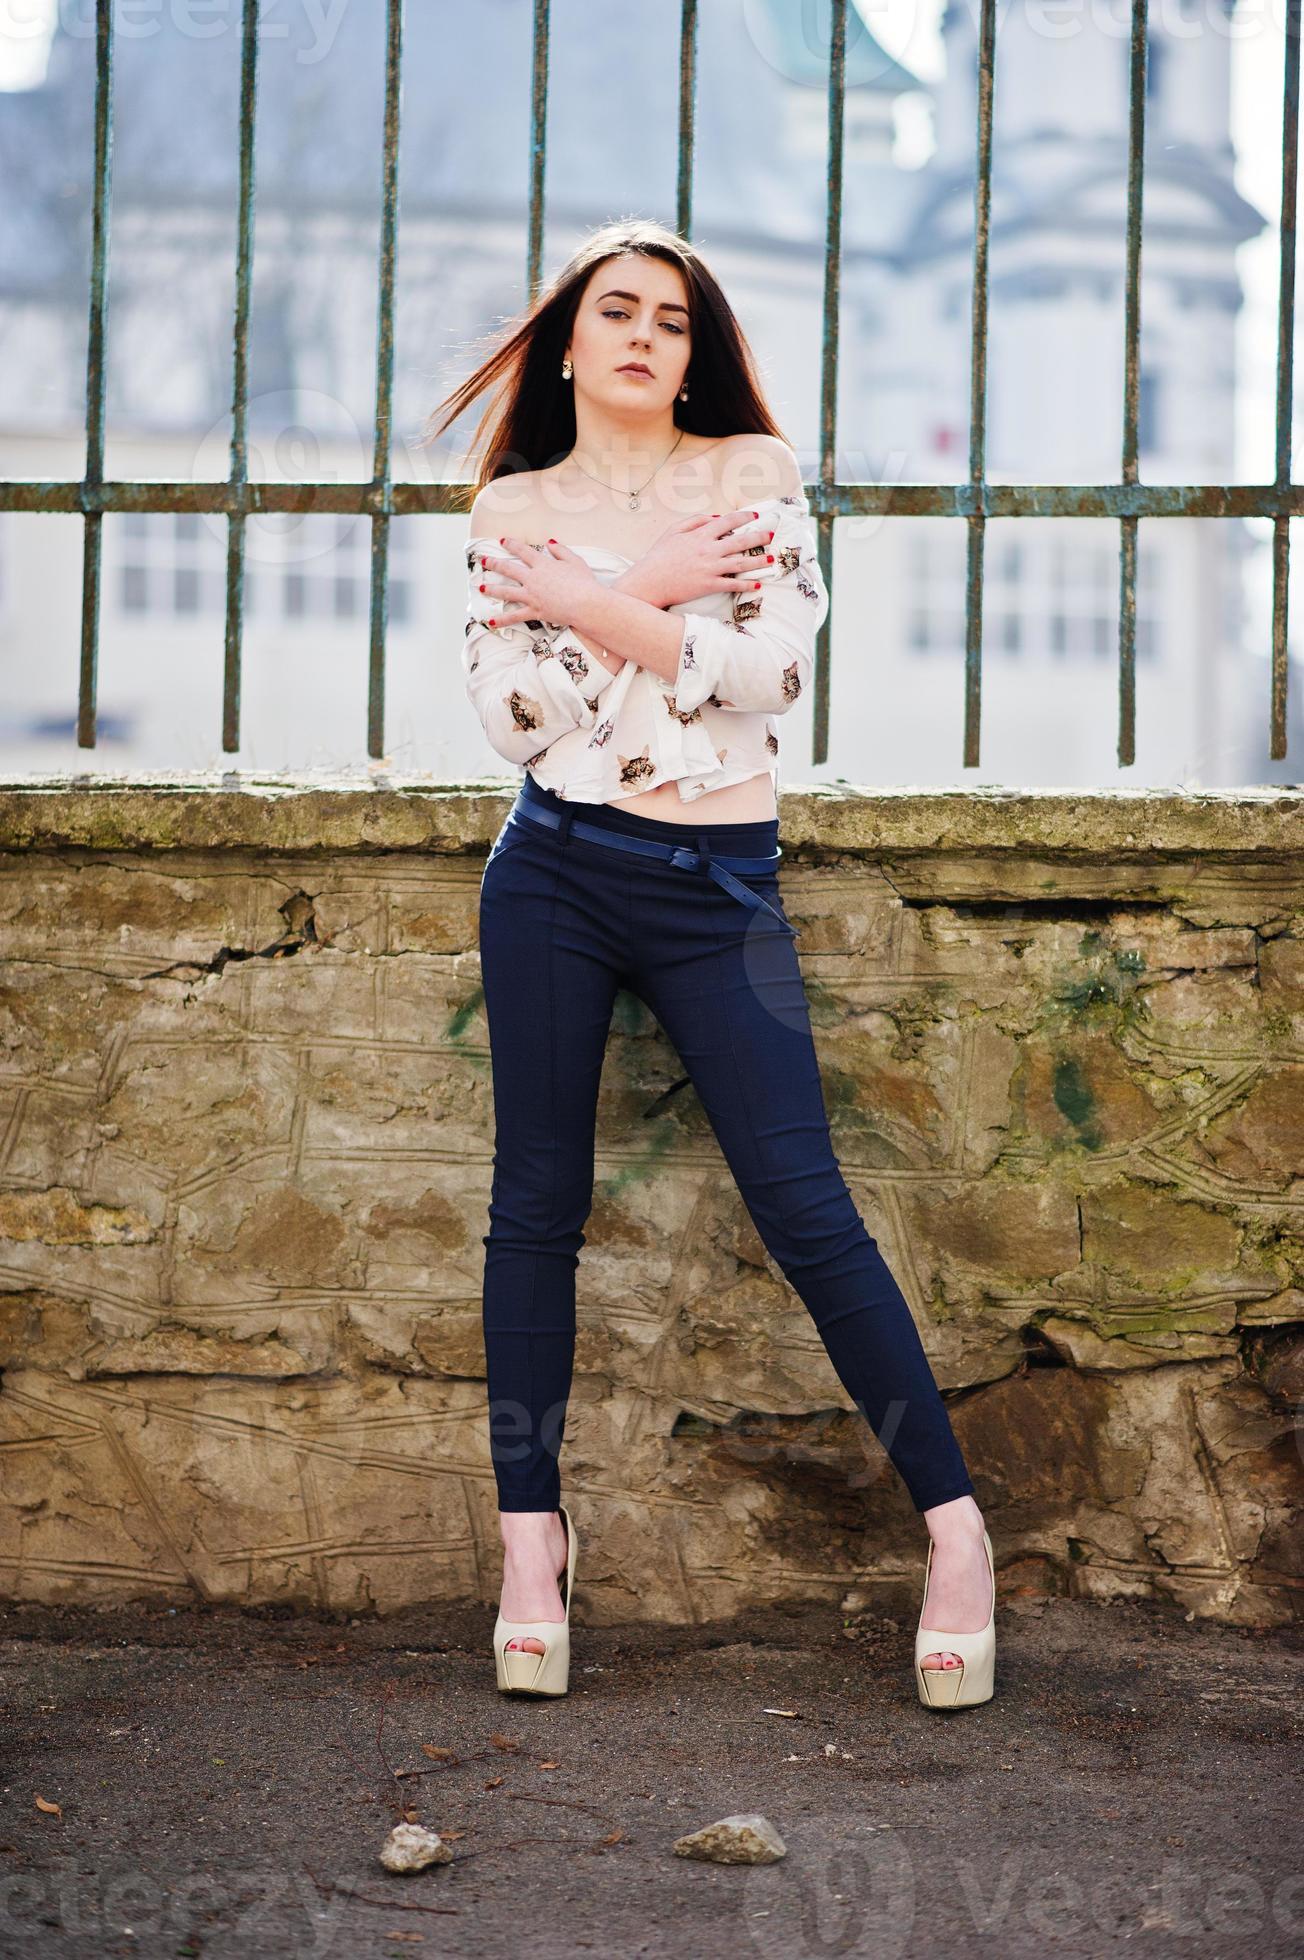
(534, 1559)
(959, 1584)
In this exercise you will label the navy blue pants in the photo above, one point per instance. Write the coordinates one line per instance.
(564, 923)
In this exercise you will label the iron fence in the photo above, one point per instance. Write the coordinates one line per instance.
(975, 501)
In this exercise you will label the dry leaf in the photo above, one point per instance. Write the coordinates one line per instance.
(503, 1742)
(494, 1781)
(438, 1755)
(612, 1837)
(55, 1810)
(549, 1765)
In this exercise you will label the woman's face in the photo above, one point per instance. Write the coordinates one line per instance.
(634, 309)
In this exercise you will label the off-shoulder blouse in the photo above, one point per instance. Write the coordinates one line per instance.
(596, 736)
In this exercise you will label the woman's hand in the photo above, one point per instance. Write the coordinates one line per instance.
(703, 554)
(548, 582)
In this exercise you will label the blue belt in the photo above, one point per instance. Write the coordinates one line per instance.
(722, 869)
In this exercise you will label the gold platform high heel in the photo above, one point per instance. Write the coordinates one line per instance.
(523, 1673)
(956, 1687)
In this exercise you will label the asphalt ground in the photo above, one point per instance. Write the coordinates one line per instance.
(225, 1780)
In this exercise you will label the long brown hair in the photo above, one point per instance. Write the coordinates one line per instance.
(529, 423)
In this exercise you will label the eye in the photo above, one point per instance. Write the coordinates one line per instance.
(619, 313)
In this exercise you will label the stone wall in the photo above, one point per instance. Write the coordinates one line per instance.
(247, 1121)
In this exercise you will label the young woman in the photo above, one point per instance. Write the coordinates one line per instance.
(645, 594)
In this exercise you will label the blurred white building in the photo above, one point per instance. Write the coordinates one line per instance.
(1050, 677)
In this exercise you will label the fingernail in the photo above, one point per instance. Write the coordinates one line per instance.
(552, 541)
(756, 513)
(483, 563)
(757, 584)
(491, 622)
(482, 588)
(769, 559)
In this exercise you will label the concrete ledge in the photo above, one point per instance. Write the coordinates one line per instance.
(324, 816)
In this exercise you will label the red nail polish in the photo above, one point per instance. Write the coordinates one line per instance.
(491, 622)
(757, 584)
(552, 541)
(756, 513)
(769, 559)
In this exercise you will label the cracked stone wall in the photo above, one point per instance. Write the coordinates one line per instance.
(247, 1123)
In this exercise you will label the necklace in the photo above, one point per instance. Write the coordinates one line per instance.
(632, 495)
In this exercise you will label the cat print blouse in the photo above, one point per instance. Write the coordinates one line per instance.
(593, 736)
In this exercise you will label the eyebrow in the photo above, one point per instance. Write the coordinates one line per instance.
(668, 304)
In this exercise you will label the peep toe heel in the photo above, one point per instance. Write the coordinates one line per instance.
(522, 1673)
(972, 1681)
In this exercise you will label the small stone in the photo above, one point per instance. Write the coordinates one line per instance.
(411, 1847)
(743, 1840)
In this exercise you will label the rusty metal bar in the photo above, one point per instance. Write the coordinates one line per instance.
(96, 377)
(1137, 64)
(977, 521)
(1112, 500)
(821, 492)
(1285, 376)
(687, 117)
(538, 146)
(238, 507)
(382, 461)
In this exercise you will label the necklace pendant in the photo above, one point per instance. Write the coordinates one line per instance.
(634, 502)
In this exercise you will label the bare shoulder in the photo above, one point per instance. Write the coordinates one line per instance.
(509, 503)
(754, 466)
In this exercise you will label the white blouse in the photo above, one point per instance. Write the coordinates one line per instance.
(596, 736)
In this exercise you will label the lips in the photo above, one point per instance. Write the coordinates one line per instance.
(635, 367)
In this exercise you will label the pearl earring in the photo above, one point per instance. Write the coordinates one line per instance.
(566, 369)
(683, 393)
